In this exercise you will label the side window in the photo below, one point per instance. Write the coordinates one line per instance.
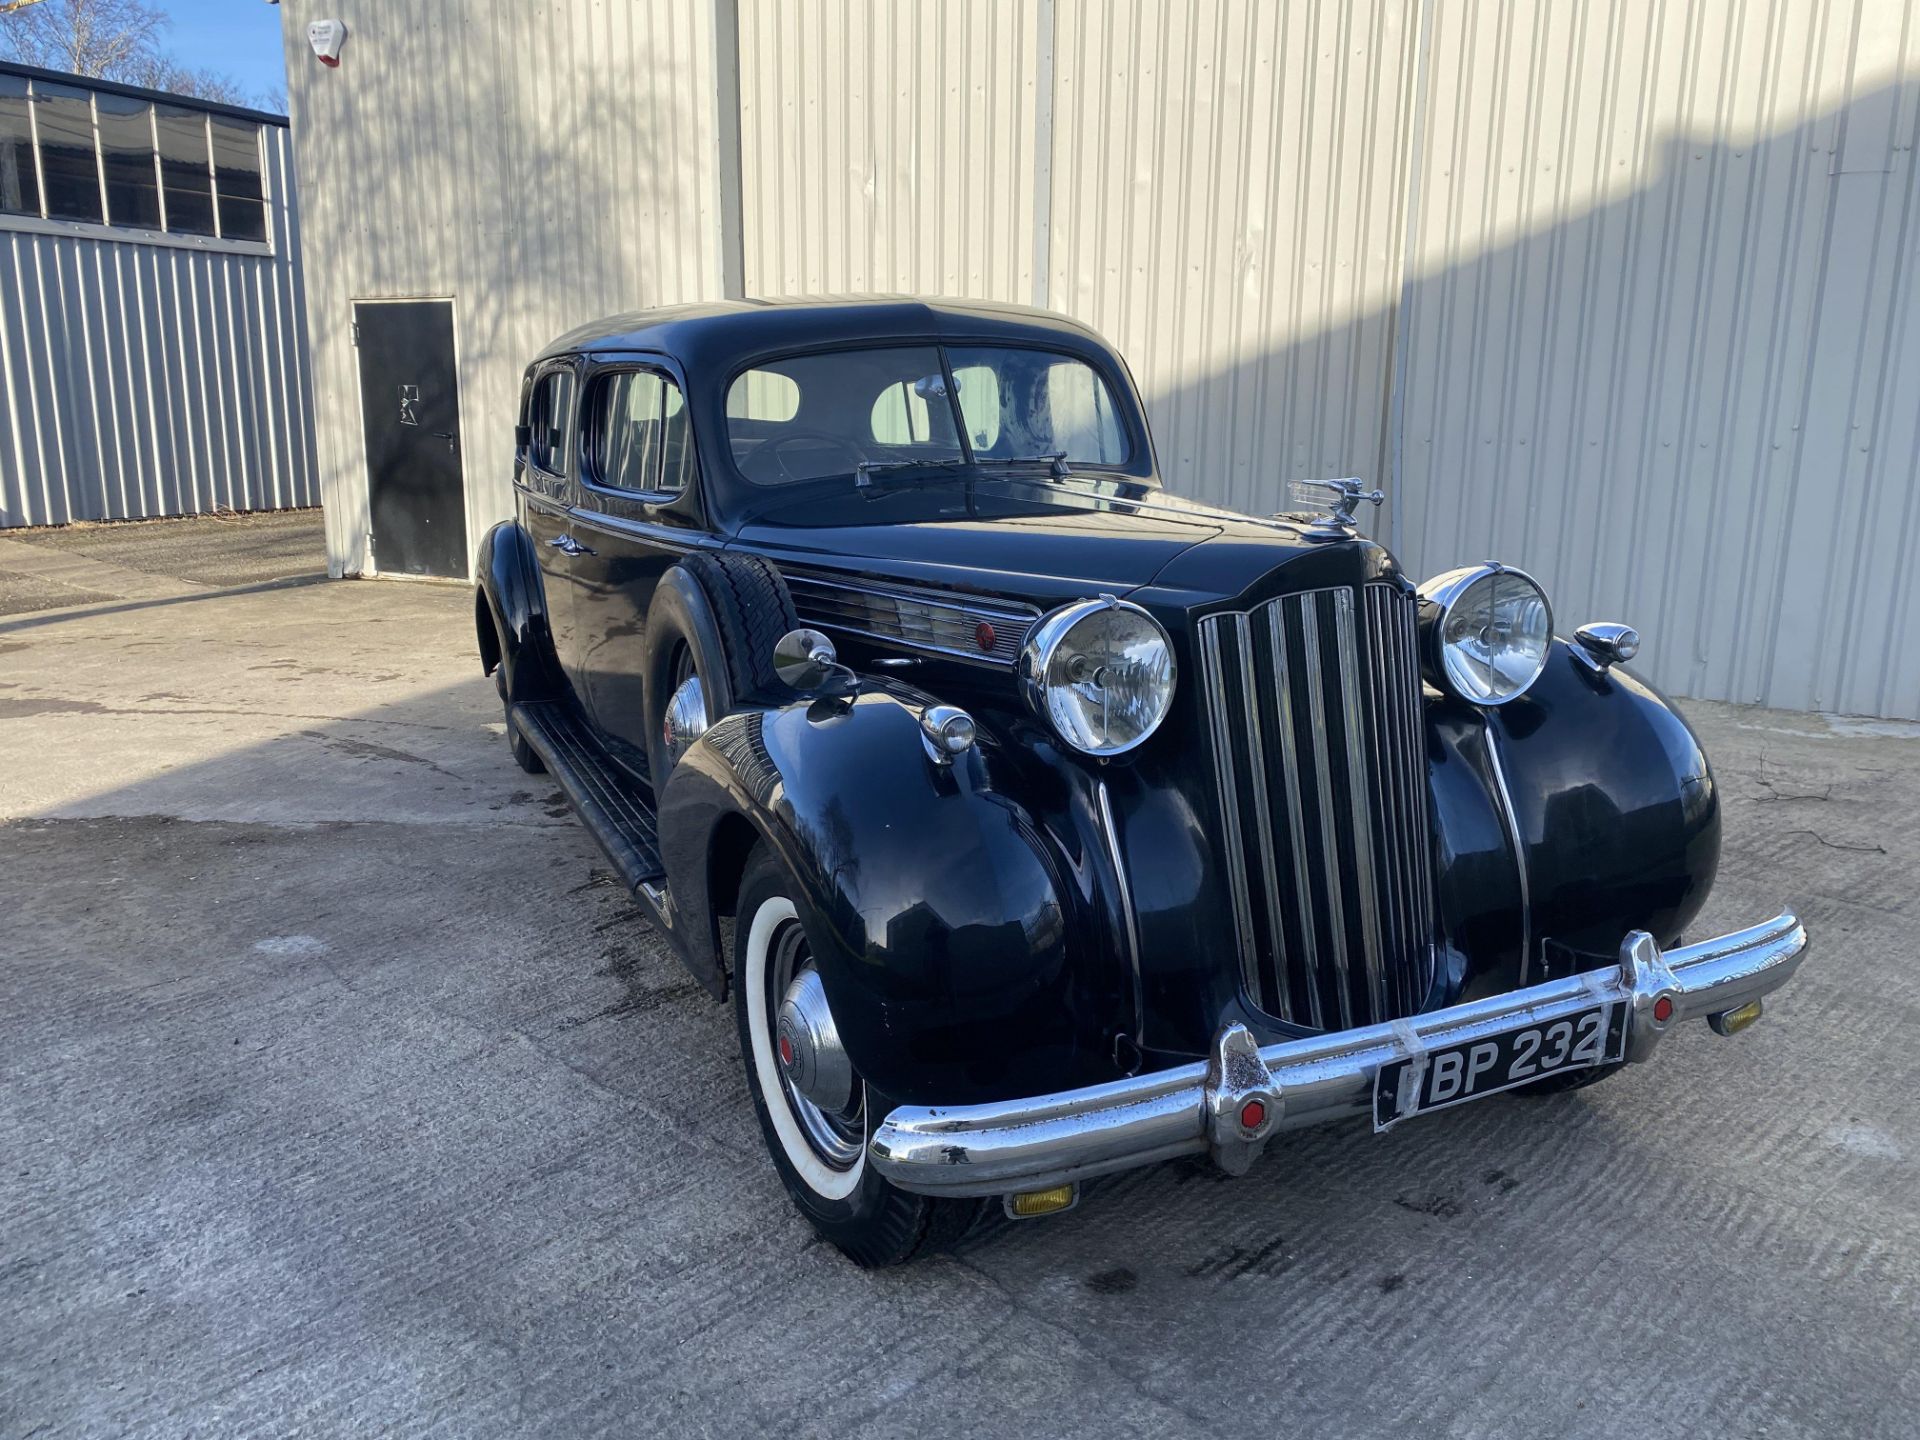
(547, 410)
(639, 435)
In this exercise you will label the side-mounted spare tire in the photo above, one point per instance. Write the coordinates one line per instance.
(715, 617)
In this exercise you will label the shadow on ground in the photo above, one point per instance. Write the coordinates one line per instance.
(346, 1091)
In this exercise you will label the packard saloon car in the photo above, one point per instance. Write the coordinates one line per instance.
(1040, 823)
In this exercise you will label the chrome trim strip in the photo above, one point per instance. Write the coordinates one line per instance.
(1323, 783)
(1505, 798)
(1213, 671)
(1359, 796)
(1110, 833)
(1269, 870)
(1392, 774)
(1296, 816)
(654, 534)
(1048, 1140)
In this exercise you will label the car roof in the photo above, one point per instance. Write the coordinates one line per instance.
(719, 332)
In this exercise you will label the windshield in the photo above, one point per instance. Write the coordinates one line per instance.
(895, 410)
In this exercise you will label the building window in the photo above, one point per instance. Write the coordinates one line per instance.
(126, 151)
(236, 173)
(19, 177)
(102, 158)
(184, 168)
(69, 166)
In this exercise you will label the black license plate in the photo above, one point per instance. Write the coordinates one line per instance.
(1455, 1074)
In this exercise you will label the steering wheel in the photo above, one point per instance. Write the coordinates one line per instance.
(777, 447)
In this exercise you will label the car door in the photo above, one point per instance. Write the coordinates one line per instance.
(543, 478)
(637, 511)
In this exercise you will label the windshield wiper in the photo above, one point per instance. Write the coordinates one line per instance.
(1054, 460)
(864, 472)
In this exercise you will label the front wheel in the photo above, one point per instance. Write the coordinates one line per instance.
(816, 1113)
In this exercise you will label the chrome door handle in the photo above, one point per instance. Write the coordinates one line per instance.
(567, 545)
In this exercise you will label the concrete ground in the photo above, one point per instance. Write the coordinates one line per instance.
(69, 565)
(346, 1094)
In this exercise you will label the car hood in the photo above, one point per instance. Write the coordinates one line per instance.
(1032, 539)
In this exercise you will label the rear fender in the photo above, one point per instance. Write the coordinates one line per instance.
(515, 599)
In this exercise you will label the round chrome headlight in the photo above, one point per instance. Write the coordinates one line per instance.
(1101, 673)
(1488, 633)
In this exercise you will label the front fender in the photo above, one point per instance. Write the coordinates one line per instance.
(946, 938)
(1610, 800)
(510, 585)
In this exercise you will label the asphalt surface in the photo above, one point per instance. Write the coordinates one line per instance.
(344, 1093)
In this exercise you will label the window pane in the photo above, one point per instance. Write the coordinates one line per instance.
(547, 417)
(808, 417)
(236, 160)
(126, 145)
(67, 159)
(979, 404)
(19, 185)
(676, 450)
(629, 439)
(899, 416)
(1031, 402)
(184, 170)
(763, 395)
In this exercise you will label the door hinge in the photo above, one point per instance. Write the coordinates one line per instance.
(355, 327)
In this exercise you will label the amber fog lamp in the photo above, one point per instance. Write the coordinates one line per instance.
(1100, 672)
(1486, 631)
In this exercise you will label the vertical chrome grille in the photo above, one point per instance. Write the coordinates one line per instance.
(1313, 710)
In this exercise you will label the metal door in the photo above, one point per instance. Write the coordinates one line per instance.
(410, 409)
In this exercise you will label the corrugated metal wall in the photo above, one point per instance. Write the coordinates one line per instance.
(1662, 335)
(1226, 209)
(888, 148)
(140, 379)
(540, 163)
(1621, 292)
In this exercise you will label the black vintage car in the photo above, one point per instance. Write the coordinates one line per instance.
(1063, 825)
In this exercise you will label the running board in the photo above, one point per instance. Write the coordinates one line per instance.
(616, 809)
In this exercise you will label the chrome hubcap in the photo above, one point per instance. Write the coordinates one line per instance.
(815, 1073)
(809, 1046)
(686, 718)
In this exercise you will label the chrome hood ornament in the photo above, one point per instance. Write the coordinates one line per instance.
(1334, 501)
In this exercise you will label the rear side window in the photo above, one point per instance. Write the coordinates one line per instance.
(638, 433)
(548, 409)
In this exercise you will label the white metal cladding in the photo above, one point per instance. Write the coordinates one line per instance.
(1227, 210)
(541, 164)
(152, 379)
(1662, 334)
(1620, 292)
(889, 148)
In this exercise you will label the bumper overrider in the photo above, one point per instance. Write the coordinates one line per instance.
(1027, 1145)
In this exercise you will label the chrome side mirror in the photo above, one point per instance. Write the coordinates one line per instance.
(806, 660)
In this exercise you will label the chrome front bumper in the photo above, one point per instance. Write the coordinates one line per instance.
(1049, 1140)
